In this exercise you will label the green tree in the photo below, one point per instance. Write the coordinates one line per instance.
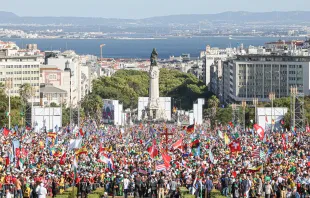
(213, 104)
(26, 92)
(92, 105)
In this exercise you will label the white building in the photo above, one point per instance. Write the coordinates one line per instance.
(211, 55)
(253, 76)
(21, 66)
(78, 72)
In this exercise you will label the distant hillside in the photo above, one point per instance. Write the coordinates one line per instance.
(7, 15)
(293, 16)
(236, 17)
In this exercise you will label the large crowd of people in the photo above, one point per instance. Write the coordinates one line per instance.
(149, 160)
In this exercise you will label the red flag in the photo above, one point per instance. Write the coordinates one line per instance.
(17, 152)
(307, 128)
(234, 174)
(283, 142)
(153, 150)
(266, 118)
(81, 132)
(166, 159)
(63, 159)
(6, 131)
(178, 144)
(235, 146)
(7, 161)
(260, 131)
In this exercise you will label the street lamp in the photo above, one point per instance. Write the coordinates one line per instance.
(294, 92)
(49, 98)
(8, 86)
(271, 98)
(243, 104)
(255, 103)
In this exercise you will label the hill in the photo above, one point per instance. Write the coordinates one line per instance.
(236, 17)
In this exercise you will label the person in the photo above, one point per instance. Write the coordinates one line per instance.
(268, 190)
(245, 187)
(41, 191)
(235, 189)
(54, 187)
(8, 194)
(18, 187)
(153, 184)
(126, 186)
(209, 187)
(225, 183)
(173, 187)
(161, 188)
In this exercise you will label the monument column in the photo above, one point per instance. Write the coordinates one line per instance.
(153, 105)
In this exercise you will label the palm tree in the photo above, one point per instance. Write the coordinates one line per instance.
(25, 92)
(213, 103)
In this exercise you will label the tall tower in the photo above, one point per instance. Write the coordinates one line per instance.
(153, 105)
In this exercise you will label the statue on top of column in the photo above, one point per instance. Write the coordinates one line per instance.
(154, 58)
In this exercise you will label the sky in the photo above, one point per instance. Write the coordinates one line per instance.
(135, 9)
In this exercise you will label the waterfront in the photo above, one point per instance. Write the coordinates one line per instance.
(126, 48)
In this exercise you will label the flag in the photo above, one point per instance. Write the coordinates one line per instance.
(220, 134)
(81, 151)
(256, 153)
(282, 122)
(308, 161)
(81, 132)
(283, 142)
(231, 124)
(260, 131)
(266, 118)
(153, 151)
(52, 135)
(195, 143)
(211, 157)
(190, 129)
(75, 167)
(160, 167)
(255, 169)
(75, 144)
(178, 144)
(235, 146)
(262, 155)
(226, 139)
(167, 159)
(6, 131)
(307, 128)
(63, 159)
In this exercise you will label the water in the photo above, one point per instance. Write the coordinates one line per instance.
(143, 48)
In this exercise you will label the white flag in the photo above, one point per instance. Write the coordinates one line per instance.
(75, 144)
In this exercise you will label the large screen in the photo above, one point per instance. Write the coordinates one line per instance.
(108, 112)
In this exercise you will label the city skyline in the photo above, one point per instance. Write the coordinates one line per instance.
(138, 9)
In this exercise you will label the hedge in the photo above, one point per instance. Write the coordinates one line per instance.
(99, 191)
(93, 196)
(216, 194)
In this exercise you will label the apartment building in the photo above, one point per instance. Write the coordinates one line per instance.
(255, 75)
(21, 66)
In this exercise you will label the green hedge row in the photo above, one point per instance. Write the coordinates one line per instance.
(99, 192)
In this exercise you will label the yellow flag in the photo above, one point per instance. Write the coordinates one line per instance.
(226, 139)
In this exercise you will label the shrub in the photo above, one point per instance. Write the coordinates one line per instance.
(99, 191)
(93, 196)
(216, 194)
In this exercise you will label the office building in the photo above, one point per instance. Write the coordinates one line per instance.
(255, 75)
(21, 66)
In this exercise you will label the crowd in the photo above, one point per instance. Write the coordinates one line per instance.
(154, 160)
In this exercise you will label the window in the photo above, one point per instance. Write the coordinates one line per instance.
(52, 77)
